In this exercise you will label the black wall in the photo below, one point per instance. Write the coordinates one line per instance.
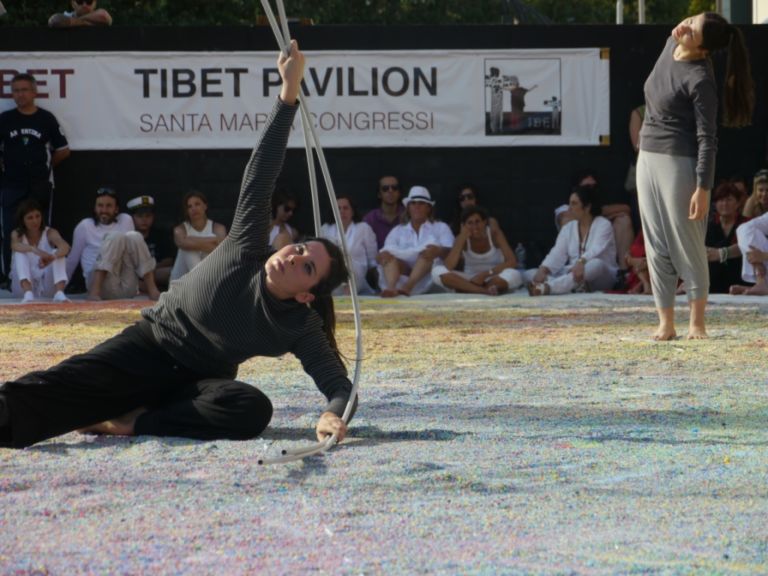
(521, 185)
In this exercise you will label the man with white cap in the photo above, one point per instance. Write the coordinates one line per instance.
(405, 261)
(112, 254)
(159, 243)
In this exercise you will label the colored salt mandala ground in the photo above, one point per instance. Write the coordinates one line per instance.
(507, 435)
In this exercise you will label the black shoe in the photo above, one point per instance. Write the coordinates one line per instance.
(5, 283)
(621, 280)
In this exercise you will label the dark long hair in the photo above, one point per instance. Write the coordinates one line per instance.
(589, 196)
(323, 302)
(192, 194)
(738, 88)
(27, 206)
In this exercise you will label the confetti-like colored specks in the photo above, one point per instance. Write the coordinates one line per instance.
(494, 436)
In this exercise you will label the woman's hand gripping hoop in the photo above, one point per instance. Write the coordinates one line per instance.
(311, 143)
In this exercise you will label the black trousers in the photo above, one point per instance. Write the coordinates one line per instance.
(128, 371)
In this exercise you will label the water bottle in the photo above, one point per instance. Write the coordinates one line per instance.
(520, 255)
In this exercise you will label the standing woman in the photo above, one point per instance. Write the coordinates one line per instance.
(676, 165)
(39, 266)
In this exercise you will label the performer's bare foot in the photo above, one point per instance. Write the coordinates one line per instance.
(121, 426)
(697, 333)
(664, 333)
(388, 293)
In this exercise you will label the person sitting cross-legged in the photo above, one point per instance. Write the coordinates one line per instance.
(584, 255)
(489, 261)
(406, 259)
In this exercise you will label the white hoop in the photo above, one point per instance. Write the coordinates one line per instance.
(312, 143)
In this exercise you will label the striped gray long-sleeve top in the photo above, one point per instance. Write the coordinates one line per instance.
(221, 313)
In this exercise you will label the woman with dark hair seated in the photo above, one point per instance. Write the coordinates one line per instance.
(173, 372)
(488, 261)
(584, 255)
(723, 252)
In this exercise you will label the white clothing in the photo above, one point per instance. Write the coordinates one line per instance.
(752, 233)
(125, 258)
(478, 262)
(87, 240)
(276, 230)
(26, 266)
(361, 243)
(405, 244)
(188, 259)
(599, 251)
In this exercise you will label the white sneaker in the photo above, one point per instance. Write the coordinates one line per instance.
(60, 297)
(28, 297)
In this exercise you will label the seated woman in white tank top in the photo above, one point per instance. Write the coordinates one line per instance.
(38, 268)
(197, 236)
(489, 261)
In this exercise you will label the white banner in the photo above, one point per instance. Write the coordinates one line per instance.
(207, 100)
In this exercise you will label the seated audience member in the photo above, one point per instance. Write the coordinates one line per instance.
(562, 216)
(284, 206)
(616, 208)
(639, 277)
(757, 203)
(405, 261)
(489, 263)
(467, 195)
(390, 211)
(39, 266)
(112, 254)
(197, 236)
(84, 13)
(360, 239)
(584, 254)
(752, 238)
(723, 251)
(142, 210)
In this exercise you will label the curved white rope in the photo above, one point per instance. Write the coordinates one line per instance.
(312, 143)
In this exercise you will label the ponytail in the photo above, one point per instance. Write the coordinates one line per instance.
(323, 301)
(738, 88)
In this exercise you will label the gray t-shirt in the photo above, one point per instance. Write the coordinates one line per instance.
(681, 112)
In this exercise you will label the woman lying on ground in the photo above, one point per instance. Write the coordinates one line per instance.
(489, 262)
(172, 373)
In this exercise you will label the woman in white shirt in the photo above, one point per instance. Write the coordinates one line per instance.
(197, 236)
(405, 261)
(39, 266)
(584, 255)
(489, 261)
(360, 239)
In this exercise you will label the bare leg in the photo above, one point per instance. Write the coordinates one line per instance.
(392, 272)
(149, 284)
(97, 279)
(26, 285)
(697, 330)
(761, 286)
(419, 270)
(624, 234)
(121, 426)
(666, 329)
(456, 282)
(496, 282)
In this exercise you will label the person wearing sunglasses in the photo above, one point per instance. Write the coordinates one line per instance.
(284, 206)
(390, 211)
(83, 13)
(468, 195)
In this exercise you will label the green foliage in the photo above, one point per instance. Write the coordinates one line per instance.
(245, 12)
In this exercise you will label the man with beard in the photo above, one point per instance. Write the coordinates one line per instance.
(112, 254)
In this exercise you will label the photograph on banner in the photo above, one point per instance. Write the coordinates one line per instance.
(523, 96)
